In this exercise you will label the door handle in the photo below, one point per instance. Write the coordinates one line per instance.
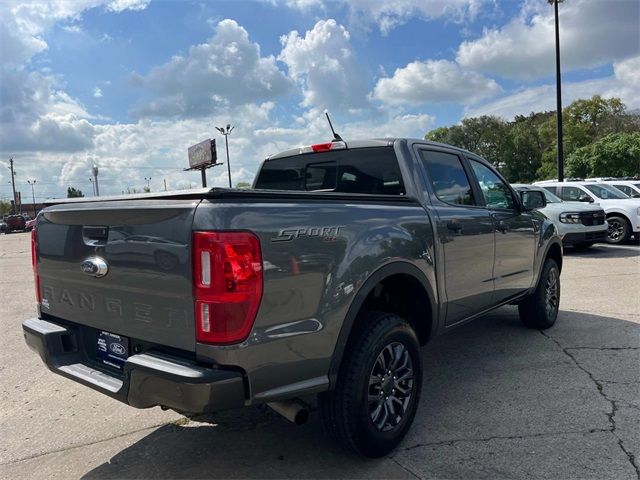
(454, 226)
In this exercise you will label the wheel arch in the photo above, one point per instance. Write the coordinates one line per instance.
(400, 276)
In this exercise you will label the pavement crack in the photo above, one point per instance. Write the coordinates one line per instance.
(72, 447)
(597, 348)
(600, 388)
(503, 437)
(406, 469)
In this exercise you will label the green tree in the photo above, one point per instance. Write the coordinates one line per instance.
(5, 207)
(584, 122)
(481, 135)
(74, 193)
(243, 185)
(616, 155)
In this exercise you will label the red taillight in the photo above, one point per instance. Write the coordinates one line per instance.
(227, 285)
(321, 147)
(34, 263)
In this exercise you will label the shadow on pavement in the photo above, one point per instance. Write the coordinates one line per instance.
(490, 379)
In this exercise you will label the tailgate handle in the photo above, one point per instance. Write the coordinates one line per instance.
(93, 235)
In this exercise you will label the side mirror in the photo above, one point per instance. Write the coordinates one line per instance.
(532, 199)
(585, 198)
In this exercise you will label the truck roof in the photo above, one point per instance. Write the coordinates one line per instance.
(368, 143)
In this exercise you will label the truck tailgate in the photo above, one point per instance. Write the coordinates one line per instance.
(146, 292)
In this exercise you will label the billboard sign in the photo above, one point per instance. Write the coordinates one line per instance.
(202, 154)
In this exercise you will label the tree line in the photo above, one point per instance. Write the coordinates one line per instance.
(601, 139)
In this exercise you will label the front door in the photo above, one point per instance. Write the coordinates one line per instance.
(515, 235)
(465, 231)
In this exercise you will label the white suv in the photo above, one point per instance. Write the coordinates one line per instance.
(579, 224)
(623, 212)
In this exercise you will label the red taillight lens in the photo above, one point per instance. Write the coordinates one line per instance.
(321, 147)
(227, 285)
(34, 263)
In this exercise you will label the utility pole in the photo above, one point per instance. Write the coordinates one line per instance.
(33, 196)
(226, 132)
(165, 184)
(94, 170)
(13, 185)
(558, 94)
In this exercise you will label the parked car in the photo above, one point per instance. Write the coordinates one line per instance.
(579, 225)
(15, 223)
(373, 249)
(4, 228)
(622, 212)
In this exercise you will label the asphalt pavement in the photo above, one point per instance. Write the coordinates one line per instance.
(498, 401)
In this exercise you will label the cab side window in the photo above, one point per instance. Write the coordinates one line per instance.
(496, 192)
(571, 194)
(448, 178)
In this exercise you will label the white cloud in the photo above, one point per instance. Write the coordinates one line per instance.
(35, 112)
(226, 70)
(622, 84)
(434, 81)
(97, 92)
(388, 15)
(592, 33)
(323, 64)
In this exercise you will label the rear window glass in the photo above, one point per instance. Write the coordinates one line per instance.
(363, 170)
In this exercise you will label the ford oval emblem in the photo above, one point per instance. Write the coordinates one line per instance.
(95, 266)
(117, 349)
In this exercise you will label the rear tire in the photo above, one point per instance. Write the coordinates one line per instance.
(578, 247)
(619, 230)
(540, 309)
(377, 391)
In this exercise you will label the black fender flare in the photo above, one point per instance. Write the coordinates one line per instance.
(397, 267)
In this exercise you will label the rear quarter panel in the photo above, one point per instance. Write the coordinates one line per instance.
(316, 256)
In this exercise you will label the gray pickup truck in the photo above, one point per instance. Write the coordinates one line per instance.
(324, 279)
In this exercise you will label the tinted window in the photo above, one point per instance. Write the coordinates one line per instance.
(449, 180)
(551, 189)
(362, 170)
(625, 189)
(551, 198)
(605, 192)
(571, 194)
(497, 193)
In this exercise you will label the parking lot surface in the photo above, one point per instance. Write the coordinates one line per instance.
(499, 401)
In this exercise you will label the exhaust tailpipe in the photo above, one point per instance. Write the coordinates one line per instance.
(293, 410)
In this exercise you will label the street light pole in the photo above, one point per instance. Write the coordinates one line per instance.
(226, 132)
(13, 186)
(94, 170)
(93, 187)
(558, 94)
(33, 196)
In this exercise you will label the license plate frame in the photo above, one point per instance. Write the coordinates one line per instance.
(112, 350)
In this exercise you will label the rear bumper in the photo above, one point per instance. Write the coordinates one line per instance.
(148, 379)
(583, 237)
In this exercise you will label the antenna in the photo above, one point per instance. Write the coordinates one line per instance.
(336, 137)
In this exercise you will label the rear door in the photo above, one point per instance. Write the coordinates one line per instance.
(465, 231)
(515, 235)
(145, 245)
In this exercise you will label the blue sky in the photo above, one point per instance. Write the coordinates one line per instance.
(130, 84)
